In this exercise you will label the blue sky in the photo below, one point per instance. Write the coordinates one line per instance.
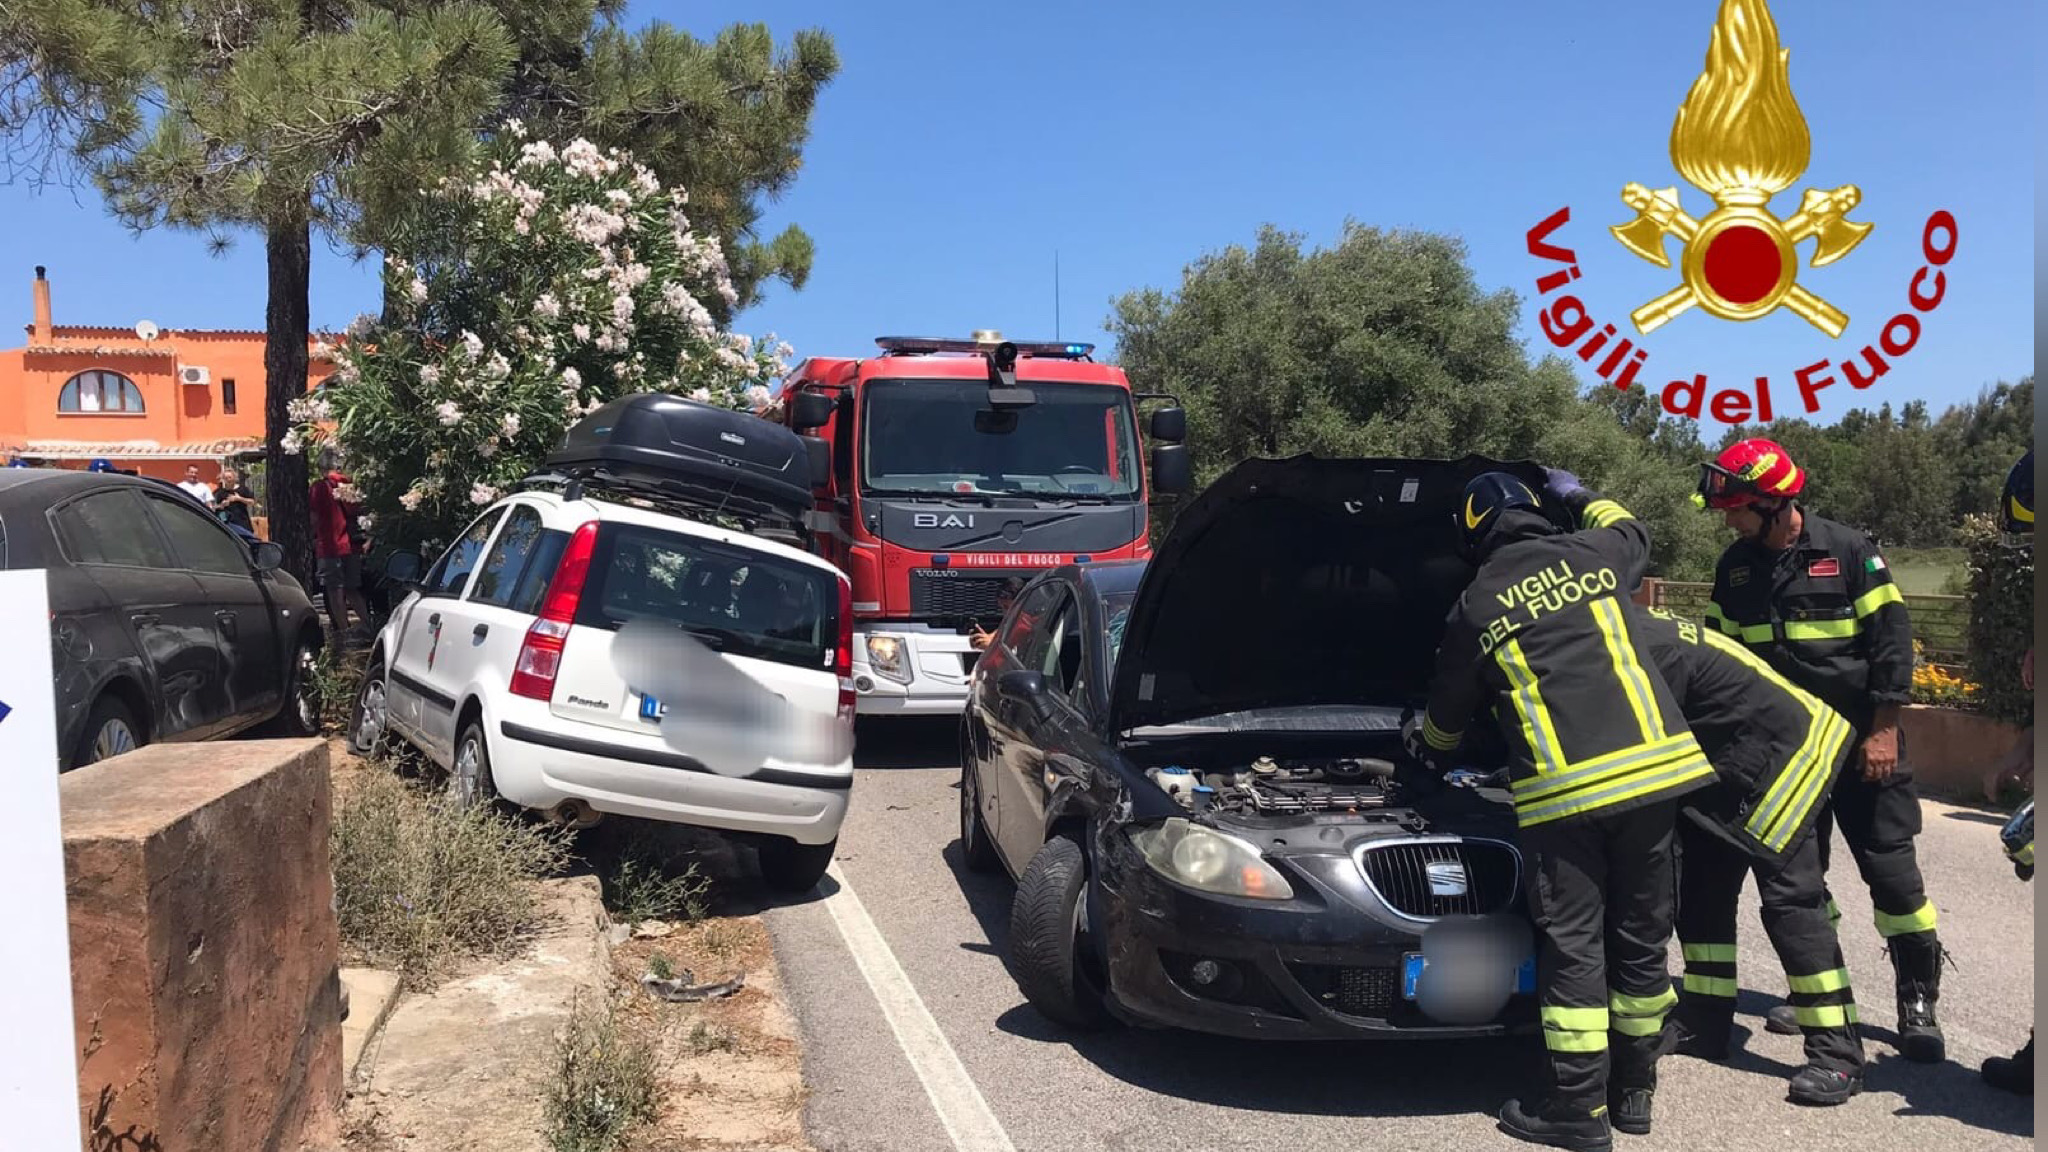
(959, 150)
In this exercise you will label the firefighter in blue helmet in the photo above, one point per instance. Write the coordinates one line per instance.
(1599, 758)
(2016, 1073)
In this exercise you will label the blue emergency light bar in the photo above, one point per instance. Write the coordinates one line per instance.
(914, 345)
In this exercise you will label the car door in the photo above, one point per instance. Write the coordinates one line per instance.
(1022, 735)
(111, 536)
(420, 689)
(245, 627)
(483, 629)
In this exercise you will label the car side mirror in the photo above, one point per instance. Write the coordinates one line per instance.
(403, 568)
(809, 410)
(1170, 425)
(1173, 470)
(820, 459)
(269, 556)
(1026, 687)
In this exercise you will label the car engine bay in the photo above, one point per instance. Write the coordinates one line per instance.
(1308, 786)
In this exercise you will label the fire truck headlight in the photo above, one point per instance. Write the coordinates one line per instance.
(887, 657)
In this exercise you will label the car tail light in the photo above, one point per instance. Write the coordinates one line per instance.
(842, 663)
(540, 656)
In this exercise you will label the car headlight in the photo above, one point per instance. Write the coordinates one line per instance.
(886, 657)
(1210, 861)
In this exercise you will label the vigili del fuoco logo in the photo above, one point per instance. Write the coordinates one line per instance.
(1741, 139)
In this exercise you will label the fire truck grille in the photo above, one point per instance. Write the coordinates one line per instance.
(963, 595)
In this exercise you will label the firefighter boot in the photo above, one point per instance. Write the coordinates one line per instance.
(1632, 1081)
(1916, 960)
(1557, 1124)
(1699, 1029)
(2012, 1075)
(1820, 1085)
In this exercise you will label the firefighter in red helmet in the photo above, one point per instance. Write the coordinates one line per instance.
(1816, 600)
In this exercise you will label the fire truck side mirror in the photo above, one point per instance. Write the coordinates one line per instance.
(820, 461)
(810, 410)
(1170, 425)
(1173, 470)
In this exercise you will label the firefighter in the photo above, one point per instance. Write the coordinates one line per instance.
(1777, 750)
(2016, 1073)
(1599, 757)
(1816, 601)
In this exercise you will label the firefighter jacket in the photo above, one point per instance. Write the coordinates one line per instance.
(1776, 747)
(1824, 613)
(1547, 635)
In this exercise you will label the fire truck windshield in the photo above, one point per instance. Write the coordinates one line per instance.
(940, 437)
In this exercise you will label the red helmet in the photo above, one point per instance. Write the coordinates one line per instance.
(1748, 471)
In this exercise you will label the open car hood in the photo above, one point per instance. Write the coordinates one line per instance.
(1299, 582)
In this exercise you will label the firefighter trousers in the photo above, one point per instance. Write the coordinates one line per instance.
(1795, 914)
(1600, 892)
(1879, 821)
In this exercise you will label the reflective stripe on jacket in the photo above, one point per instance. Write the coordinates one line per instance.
(1776, 748)
(1824, 612)
(1546, 633)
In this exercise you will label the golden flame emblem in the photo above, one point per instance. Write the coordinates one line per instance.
(1740, 138)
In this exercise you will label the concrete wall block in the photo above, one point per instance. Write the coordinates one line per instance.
(204, 945)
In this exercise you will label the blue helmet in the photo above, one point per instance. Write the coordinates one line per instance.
(100, 464)
(1488, 496)
(2016, 506)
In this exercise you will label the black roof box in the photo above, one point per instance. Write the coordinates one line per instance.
(722, 461)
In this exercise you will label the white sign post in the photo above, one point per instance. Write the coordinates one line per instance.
(39, 1061)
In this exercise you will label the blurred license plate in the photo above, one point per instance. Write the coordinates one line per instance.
(1411, 971)
(652, 709)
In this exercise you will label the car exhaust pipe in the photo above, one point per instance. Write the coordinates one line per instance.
(575, 814)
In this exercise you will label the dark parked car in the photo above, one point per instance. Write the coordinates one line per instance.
(1194, 770)
(165, 625)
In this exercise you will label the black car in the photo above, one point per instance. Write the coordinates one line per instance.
(165, 625)
(1194, 770)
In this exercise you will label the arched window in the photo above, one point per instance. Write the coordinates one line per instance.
(99, 391)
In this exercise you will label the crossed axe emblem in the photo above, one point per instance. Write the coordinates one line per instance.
(1726, 256)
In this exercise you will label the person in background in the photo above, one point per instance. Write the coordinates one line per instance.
(341, 568)
(196, 488)
(2015, 1073)
(1004, 598)
(233, 501)
(101, 464)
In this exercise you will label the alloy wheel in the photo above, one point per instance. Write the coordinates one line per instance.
(113, 739)
(465, 785)
(370, 717)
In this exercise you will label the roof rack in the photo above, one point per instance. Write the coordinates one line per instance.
(689, 502)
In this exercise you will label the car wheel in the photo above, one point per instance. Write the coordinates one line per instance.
(304, 704)
(1049, 953)
(369, 724)
(795, 868)
(975, 849)
(469, 780)
(110, 730)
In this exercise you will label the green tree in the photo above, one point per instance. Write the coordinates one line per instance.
(1385, 345)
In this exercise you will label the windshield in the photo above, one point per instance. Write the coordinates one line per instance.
(737, 601)
(941, 436)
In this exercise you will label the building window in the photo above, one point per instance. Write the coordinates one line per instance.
(99, 391)
(227, 396)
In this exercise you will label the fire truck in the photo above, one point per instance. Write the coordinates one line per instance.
(958, 469)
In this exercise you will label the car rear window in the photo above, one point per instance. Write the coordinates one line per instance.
(740, 602)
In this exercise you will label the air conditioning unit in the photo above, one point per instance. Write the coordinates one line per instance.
(192, 374)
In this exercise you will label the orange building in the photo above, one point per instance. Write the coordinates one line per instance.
(143, 398)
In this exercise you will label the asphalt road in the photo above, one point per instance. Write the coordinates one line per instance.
(917, 1038)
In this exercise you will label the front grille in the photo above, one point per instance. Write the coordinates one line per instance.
(1401, 872)
(962, 595)
(1371, 991)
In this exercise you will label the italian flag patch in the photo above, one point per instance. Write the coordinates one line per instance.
(1874, 564)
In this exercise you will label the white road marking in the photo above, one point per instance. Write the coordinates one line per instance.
(954, 1096)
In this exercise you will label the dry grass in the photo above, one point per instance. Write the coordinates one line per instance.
(421, 884)
(606, 1082)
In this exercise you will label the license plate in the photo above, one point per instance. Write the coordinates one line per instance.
(1411, 972)
(652, 709)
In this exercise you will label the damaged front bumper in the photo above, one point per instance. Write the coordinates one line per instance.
(1319, 966)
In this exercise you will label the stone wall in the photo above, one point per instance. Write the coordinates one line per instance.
(204, 949)
(1951, 750)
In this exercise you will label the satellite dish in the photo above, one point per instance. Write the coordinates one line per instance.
(147, 329)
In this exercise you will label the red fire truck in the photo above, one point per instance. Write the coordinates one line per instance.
(960, 468)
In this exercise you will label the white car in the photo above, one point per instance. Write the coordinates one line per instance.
(499, 667)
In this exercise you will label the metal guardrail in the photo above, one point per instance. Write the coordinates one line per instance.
(1940, 623)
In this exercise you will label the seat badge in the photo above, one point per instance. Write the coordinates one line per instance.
(1446, 878)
